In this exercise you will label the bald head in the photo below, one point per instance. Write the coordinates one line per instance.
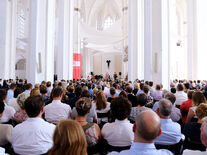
(165, 107)
(148, 125)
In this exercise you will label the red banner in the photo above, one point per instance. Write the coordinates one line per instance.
(76, 66)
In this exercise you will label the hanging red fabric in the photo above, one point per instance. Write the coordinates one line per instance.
(76, 66)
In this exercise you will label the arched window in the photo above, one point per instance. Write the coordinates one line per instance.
(107, 23)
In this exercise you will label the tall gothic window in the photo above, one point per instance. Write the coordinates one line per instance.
(108, 22)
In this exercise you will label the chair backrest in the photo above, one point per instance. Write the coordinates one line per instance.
(177, 148)
(103, 115)
(111, 148)
(6, 133)
(194, 145)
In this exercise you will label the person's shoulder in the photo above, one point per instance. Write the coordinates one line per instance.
(47, 124)
(9, 108)
(164, 152)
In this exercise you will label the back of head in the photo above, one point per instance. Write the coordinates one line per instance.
(2, 105)
(33, 105)
(120, 108)
(12, 86)
(204, 131)
(78, 91)
(158, 87)
(48, 84)
(21, 99)
(201, 111)
(112, 91)
(28, 86)
(141, 86)
(171, 97)
(123, 94)
(3, 94)
(190, 94)
(86, 93)
(83, 105)
(129, 89)
(165, 107)
(35, 92)
(101, 101)
(180, 87)
(57, 92)
(187, 85)
(148, 125)
(43, 89)
(141, 99)
(17, 91)
(68, 138)
(146, 89)
(198, 98)
(150, 83)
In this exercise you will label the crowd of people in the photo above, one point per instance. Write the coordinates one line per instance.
(103, 117)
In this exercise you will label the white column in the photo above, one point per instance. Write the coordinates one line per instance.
(201, 39)
(160, 41)
(147, 43)
(50, 39)
(7, 38)
(136, 40)
(192, 58)
(37, 38)
(64, 64)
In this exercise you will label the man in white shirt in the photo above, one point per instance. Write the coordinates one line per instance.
(28, 88)
(56, 111)
(119, 133)
(171, 131)
(180, 95)
(203, 140)
(8, 112)
(33, 136)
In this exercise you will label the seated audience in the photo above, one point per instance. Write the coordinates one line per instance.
(192, 129)
(92, 130)
(123, 94)
(35, 92)
(33, 136)
(146, 129)
(141, 101)
(150, 101)
(185, 106)
(13, 102)
(21, 115)
(180, 95)
(8, 113)
(49, 88)
(175, 113)
(131, 97)
(119, 133)
(78, 92)
(43, 92)
(57, 110)
(112, 93)
(5, 129)
(157, 94)
(70, 92)
(136, 88)
(197, 99)
(101, 105)
(68, 138)
(203, 140)
(28, 88)
(171, 131)
(10, 92)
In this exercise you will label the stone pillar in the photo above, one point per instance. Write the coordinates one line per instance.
(7, 38)
(192, 40)
(35, 63)
(136, 40)
(64, 62)
(50, 39)
(160, 41)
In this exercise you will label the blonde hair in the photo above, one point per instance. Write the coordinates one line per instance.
(101, 101)
(201, 111)
(21, 99)
(69, 138)
(35, 92)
